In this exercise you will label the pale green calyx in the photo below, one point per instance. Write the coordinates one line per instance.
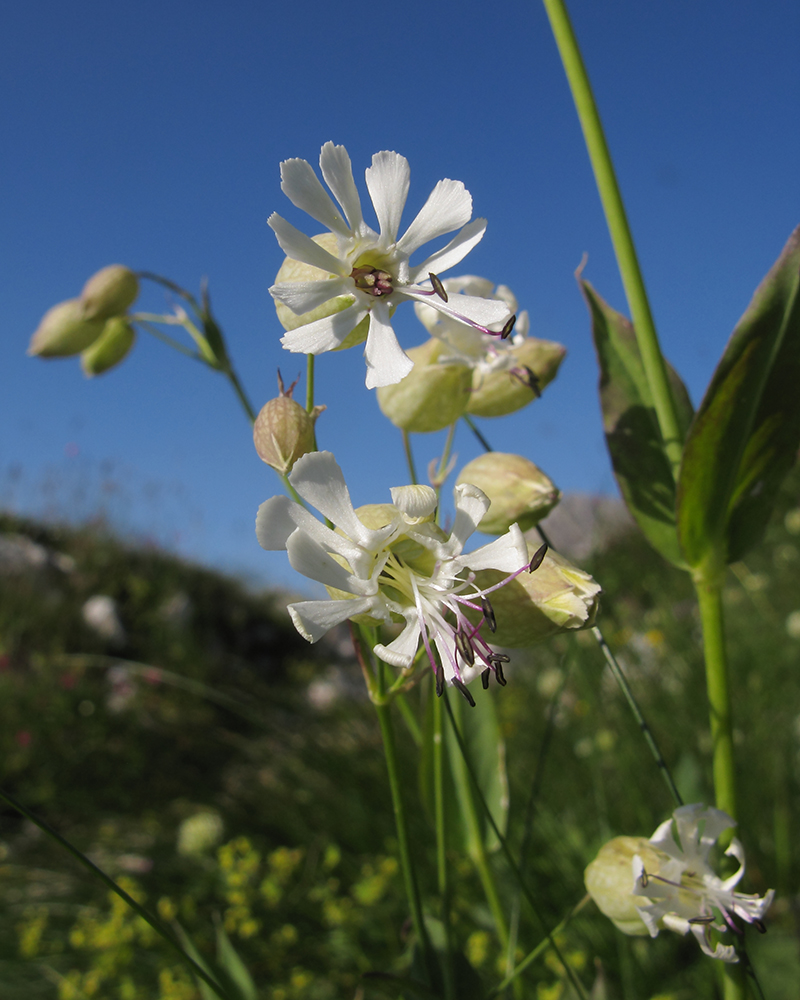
(283, 431)
(557, 597)
(667, 882)
(509, 369)
(64, 331)
(112, 346)
(109, 292)
(520, 492)
(432, 396)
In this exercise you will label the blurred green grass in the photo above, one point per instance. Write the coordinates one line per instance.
(203, 700)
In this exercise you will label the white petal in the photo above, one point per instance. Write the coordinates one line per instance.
(416, 502)
(300, 247)
(484, 312)
(387, 183)
(456, 250)
(508, 553)
(324, 334)
(303, 296)
(313, 619)
(471, 504)
(275, 521)
(387, 362)
(338, 173)
(319, 480)
(302, 187)
(401, 651)
(448, 207)
(311, 560)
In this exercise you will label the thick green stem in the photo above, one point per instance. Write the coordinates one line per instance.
(406, 859)
(621, 236)
(709, 596)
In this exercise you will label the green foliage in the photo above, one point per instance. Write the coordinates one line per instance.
(745, 436)
(633, 437)
(304, 883)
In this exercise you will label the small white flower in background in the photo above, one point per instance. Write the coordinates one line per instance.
(486, 352)
(101, 613)
(402, 569)
(673, 885)
(373, 269)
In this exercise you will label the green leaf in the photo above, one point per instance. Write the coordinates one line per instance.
(486, 754)
(633, 436)
(231, 963)
(205, 990)
(745, 436)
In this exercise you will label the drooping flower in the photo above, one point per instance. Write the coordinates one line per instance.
(507, 372)
(392, 563)
(646, 885)
(372, 268)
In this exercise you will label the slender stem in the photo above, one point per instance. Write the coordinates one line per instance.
(403, 841)
(441, 846)
(647, 732)
(540, 948)
(145, 914)
(409, 457)
(241, 395)
(475, 838)
(473, 427)
(621, 236)
(309, 383)
(709, 596)
(169, 341)
(512, 864)
(409, 718)
(406, 859)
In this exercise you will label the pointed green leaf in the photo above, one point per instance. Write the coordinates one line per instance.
(205, 990)
(745, 436)
(231, 963)
(630, 423)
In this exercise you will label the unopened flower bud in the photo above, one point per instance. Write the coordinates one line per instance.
(200, 833)
(610, 880)
(501, 391)
(431, 396)
(520, 492)
(110, 292)
(296, 270)
(64, 331)
(284, 430)
(556, 597)
(113, 344)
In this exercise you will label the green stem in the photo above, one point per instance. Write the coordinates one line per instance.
(309, 383)
(512, 864)
(621, 236)
(709, 596)
(441, 845)
(241, 395)
(412, 471)
(473, 427)
(475, 839)
(647, 732)
(540, 948)
(148, 917)
(403, 841)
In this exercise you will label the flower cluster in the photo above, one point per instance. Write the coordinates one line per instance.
(391, 563)
(358, 274)
(667, 881)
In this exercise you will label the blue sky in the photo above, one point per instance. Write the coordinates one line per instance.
(151, 135)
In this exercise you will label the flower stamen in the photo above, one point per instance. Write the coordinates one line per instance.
(372, 280)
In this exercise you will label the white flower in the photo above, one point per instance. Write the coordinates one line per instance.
(484, 351)
(404, 569)
(373, 268)
(684, 892)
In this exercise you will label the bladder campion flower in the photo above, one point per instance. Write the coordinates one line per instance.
(391, 563)
(373, 269)
(645, 885)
